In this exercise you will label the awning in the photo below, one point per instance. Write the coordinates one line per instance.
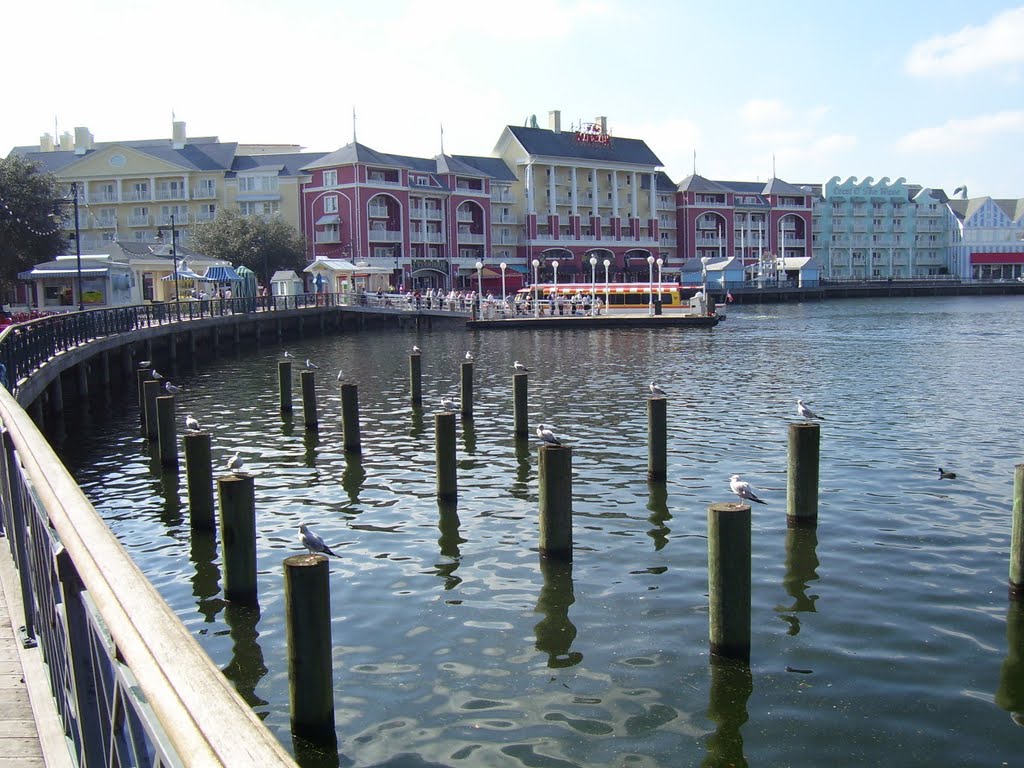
(220, 274)
(331, 218)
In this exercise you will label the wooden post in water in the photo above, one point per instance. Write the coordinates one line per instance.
(307, 600)
(238, 531)
(657, 439)
(467, 390)
(444, 449)
(802, 476)
(56, 393)
(555, 502)
(308, 379)
(142, 376)
(199, 479)
(350, 418)
(82, 379)
(416, 378)
(284, 385)
(729, 580)
(520, 405)
(167, 434)
(1017, 535)
(150, 392)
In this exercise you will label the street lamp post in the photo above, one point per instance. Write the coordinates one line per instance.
(480, 289)
(607, 263)
(704, 277)
(659, 262)
(536, 301)
(503, 266)
(593, 284)
(554, 286)
(78, 246)
(174, 260)
(650, 285)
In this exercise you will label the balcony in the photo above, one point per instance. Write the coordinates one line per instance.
(385, 236)
(378, 211)
(464, 217)
(170, 194)
(501, 196)
(433, 214)
(104, 222)
(471, 238)
(328, 237)
(138, 196)
(205, 216)
(204, 193)
(103, 197)
(504, 218)
(426, 237)
(164, 220)
(139, 220)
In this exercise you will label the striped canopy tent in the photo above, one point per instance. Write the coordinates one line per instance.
(247, 286)
(219, 274)
(184, 273)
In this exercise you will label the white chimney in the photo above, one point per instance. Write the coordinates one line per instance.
(602, 121)
(67, 143)
(555, 120)
(178, 134)
(46, 143)
(83, 141)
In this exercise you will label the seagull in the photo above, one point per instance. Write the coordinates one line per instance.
(313, 543)
(341, 375)
(448, 404)
(311, 365)
(944, 475)
(172, 389)
(288, 354)
(656, 390)
(235, 462)
(806, 412)
(155, 374)
(145, 363)
(743, 489)
(469, 355)
(546, 435)
(519, 366)
(416, 350)
(191, 423)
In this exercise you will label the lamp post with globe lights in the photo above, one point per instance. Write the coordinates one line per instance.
(480, 290)
(536, 300)
(607, 263)
(554, 286)
(593, 285)
(503, 266)
(650, 285)
(659, 261)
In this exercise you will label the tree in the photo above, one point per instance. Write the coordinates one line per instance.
(261, 244)
(29, 233)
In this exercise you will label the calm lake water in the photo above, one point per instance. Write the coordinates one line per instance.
(883, 637)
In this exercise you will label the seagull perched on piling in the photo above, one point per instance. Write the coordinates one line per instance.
(742, 489)
(288, 354)
(806, 413)
(314, 543)
(519, 366)
(311, 365)
(172, 389)
(191, 423)
(155, 374)
(235, 463)
(341, 375)
(145, 363)
(944, 475)
(546, 435)
(469, 356)
(656, 390)
(416, 350)
(448, 404)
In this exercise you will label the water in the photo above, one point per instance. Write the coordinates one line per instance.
(880, 638)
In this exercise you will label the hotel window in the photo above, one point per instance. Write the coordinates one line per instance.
(330, 178)
(140, 190)
(331, 204)
(206, 188)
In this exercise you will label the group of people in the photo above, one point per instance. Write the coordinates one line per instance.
(218, 293)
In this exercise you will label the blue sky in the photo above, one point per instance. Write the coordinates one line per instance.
(931, 91)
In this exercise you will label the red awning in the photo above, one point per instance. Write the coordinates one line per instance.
(997, 258)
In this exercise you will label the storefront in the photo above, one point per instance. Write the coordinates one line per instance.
(54, 284)
(997, 266)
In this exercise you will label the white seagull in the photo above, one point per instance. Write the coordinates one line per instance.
(469, 355)
(314, 543)
(311, 365)
(519, 366)
(742, 489)
(806, 413)
(416, 350)
(288, 354)
(340, 375)
(546, 435)
(656, 390)
(191, 423)
(155, 374)
(448, 404)
(235, 462)
(145, 363)
(172, 389)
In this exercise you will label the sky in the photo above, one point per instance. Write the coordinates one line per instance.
(929, 91)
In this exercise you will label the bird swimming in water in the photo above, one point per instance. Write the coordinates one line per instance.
(520, 367)
(742, 489)
(313, 542)
(235, 463)
(806, 413)
(191, 423)
(656, 390)
(944, 475)
(545, 434)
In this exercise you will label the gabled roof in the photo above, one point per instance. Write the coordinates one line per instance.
(195, 155)
(547, 143)
(494, 167)
(352, 154)
(696, 183)
(290, 164)
(780, 187)
(965, 209)
(662, 182)
(451, 164)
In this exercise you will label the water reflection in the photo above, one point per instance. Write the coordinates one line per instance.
(801, 570)
(657, 505)
(311, 441)
(170, 491)
(416, 422)
(448, 543)
(555, 633)
(353, 476)
(246, 667)
(731, 686)
(1010, 695)
(521, 487)
(468, 434)
(206, 578)
(287, 424)
(313, 754)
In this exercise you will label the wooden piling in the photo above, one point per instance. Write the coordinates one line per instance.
(150, 392)
(729, 580)
(238, 533)
(802, 475)
(467, 390)
(56, 393)
(657, 439)
(444, 449)
(142, 376)
(82, 379)
(520, 405)
(307, 599)
(1017, 536)
(555, 502)
(199, 479)
(416, 378)
(284, 385)
(350, 418)
(167, 434)
(309, 417)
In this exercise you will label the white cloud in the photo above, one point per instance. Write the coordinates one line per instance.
(972, 49)
(963, 134)
(757, 111)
